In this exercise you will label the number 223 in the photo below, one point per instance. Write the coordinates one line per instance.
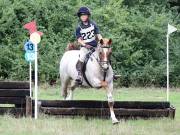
(88, 35)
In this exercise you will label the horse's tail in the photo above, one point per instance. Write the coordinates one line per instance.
(72, 46)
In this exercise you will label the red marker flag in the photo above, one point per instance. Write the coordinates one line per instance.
(31, 27)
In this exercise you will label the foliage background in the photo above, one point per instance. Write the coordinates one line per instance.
(138, 29)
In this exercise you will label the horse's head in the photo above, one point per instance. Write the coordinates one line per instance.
(105, 53)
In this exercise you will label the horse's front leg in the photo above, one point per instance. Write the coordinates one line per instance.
(109, 89)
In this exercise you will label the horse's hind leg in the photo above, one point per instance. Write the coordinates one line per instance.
(71, 88)
(64, 86)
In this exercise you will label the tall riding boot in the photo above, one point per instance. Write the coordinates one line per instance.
(79, 67)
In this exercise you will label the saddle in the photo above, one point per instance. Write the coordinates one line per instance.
(92, 50)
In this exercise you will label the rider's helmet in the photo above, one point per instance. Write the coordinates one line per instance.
(83, 11)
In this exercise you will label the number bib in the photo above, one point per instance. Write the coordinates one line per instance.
(88, 34)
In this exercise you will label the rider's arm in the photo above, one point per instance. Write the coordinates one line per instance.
(81, 42)
(99, 37)
(78, 36)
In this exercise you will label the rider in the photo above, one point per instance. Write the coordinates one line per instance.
(87, 34)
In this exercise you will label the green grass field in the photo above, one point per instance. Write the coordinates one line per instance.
(46, 125)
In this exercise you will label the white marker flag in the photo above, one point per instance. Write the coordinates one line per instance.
(171, 29)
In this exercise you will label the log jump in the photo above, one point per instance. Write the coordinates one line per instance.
(18, 95)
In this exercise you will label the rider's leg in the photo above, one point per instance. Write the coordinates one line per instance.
(79, 65)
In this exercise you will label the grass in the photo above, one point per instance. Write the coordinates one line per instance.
(46, 125)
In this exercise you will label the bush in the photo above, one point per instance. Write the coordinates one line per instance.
(137, 28)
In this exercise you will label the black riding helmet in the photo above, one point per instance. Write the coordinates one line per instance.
(83, 11)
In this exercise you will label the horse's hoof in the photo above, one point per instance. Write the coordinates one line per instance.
(115, 122)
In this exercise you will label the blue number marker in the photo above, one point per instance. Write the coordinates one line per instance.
(29, 46)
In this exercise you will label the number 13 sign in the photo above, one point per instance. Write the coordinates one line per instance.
(29, 47)
(30, 51)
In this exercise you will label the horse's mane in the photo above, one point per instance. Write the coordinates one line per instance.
(76, 46)
(72, 46)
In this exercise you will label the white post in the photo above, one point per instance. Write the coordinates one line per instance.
(36, 81)
(167, 49)
(30, 79)
(35, 38)
(171, 29)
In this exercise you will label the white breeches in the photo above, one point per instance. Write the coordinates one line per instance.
(82, 54)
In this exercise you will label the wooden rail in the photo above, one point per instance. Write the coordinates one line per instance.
(17, 94)
(100, 108)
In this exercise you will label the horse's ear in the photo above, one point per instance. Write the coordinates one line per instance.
(101, 42)
(110, 41)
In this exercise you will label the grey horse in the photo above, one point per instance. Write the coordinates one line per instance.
(98, 72)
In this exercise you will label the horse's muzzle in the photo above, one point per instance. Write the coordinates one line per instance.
(105, 66)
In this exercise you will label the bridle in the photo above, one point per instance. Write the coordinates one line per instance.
(104, 64)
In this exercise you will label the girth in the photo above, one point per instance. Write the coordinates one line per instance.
(84, 66)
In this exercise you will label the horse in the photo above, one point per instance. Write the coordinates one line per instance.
(98, 72)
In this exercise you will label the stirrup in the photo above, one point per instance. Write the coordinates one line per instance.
(79, 80)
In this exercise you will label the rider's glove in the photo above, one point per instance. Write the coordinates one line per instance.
(88, 46)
